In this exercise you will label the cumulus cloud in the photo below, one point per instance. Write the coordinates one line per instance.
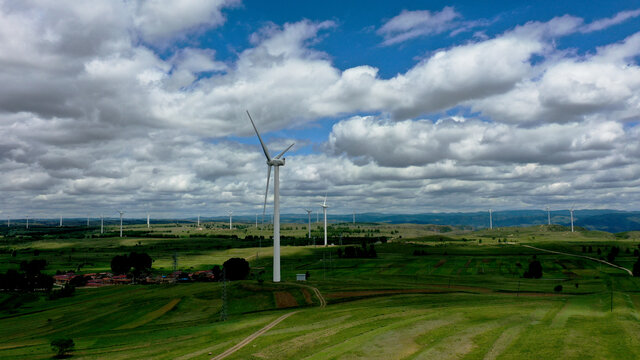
(94, 119)
(159, 19)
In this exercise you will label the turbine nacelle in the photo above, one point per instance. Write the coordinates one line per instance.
(275, 162)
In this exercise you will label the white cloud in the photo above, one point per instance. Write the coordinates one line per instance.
(90, 119)
(411, 24)
(159, 19)
(618, 18)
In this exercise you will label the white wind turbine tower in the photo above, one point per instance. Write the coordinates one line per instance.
(87, 220)
(60, 220)
(275, 162)
(571, 211)
(148, 221)
(324, 210)
(231, 220)
(101, 224)
(27, 221)
(490, 219)
(548, 216)
(309, 226)
(121, 213)
(198, 220)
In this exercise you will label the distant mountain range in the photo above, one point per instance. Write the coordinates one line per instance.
(604, 220)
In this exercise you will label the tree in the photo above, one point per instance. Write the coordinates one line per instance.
(558, 288)
(636, 268)
(62, 346)
(120, 264)
(140, 262)
(217, 273)
(236, 269)
(535, 269)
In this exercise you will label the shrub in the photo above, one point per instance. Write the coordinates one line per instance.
(62, 346)
(558, 288)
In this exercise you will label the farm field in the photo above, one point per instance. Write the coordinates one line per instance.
(431, 296)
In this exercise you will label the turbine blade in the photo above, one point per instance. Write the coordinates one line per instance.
(266, 192)
(325, 200)
(264, 148)
(285, 150)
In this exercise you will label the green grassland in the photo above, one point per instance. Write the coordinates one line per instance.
(459, 298)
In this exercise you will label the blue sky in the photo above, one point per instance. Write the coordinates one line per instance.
(406, 106)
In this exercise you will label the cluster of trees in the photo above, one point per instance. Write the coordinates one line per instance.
(139, 262)
(611, 256)
(355, 252)
(535, 269)
(29, 278)
(419, 253)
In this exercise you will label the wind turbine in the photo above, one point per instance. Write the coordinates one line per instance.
(198, 220)
(27, 221)
(87, 220)
(571, 211)
(60, 220)
(324, 210)
(101, 224)
(309, 227)
(548, 216)
(354, 217)
(490, 219)
(275, 162)
(148, 221)
(121, 213)
(231, 220)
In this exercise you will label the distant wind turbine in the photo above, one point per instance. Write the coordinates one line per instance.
(571, 212)
(324, 210)
(148, 221)
(121, 213)
(231, 220)
(354, 217)
(101, 224)
(309, 226)
(60, 220)
(87, 220)
(198, 220)
(548, 216)
(27, 221)
(275, 162)
(490, 219)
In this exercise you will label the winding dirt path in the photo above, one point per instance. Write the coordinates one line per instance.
(252, 337)
(581, 256)
(323, 302)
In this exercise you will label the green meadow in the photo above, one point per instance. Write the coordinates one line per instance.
(428, 294)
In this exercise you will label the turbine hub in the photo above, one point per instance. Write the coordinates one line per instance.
(276, 162)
